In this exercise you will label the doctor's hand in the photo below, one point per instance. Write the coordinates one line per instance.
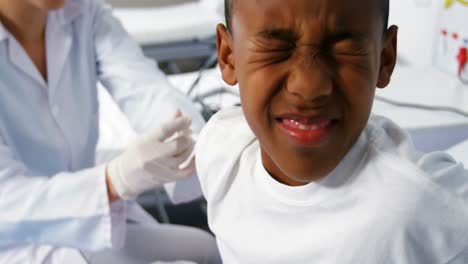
(165, 155)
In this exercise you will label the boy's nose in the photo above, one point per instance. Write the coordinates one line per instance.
(310, 80)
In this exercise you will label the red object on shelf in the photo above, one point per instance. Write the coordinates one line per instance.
(462, 59)
(455, 35)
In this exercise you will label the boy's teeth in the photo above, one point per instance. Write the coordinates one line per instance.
(301, 126)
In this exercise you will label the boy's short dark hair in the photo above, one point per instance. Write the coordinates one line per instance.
(229, 6)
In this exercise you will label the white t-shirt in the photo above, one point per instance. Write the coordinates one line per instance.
(384, 203)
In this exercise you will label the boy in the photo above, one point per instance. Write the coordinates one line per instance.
(301, 174)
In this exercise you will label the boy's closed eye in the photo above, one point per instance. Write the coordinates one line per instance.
(349, 48)
(270, 51)
(347, 45)
(273, 45)
(273, 51)
(285, 40)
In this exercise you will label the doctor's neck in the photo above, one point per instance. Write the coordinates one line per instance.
(23, 20)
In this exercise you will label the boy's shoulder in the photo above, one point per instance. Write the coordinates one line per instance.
(225, 135)
(220, 145)
(227, 127)
(436, 175)
(228, 118)
(425, 195)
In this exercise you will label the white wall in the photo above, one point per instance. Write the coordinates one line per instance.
(417, 20)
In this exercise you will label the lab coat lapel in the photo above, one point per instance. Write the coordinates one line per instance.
(22, 62)
(59, 42)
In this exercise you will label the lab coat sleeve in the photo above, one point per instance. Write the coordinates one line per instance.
(64, 210)
(139, 88)
(135, 82)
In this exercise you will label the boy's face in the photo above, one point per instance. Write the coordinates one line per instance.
(307, 72)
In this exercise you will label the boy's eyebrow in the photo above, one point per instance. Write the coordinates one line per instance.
(278, 33)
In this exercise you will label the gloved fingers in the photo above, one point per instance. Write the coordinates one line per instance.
(162, 173)
(178, 146)
(175, 175)
(169, 128)
(188, 171)
(184, 133)
(178, 160)
(189, 162)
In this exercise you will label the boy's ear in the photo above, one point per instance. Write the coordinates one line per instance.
(388, 57)
(225, 55)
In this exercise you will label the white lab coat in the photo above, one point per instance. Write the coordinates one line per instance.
(51, 192)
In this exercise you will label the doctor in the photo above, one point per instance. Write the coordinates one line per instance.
(56, 204)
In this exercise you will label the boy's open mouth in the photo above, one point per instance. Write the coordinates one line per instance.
(306, 131)
(305, 124)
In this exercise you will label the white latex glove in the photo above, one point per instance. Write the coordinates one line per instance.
(165, 155)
